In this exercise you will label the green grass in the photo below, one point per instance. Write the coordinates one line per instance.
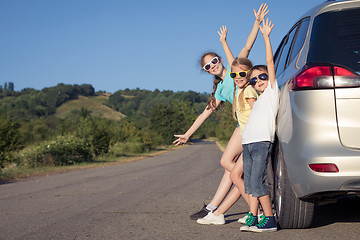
(221, 144)
(100, 98)
(94, 105)
(12, 172)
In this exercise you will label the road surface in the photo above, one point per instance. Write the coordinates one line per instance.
(146, 199)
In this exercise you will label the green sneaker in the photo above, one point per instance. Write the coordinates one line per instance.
(251, 220)
(266, 224)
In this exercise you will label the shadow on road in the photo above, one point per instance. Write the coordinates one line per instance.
(201, 141)
(346, 210)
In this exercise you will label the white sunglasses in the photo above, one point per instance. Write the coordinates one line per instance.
(213, 61)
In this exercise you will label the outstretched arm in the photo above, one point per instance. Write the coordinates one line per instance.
(266, 30)
(259, 17)
(182, 139)
(229, 56)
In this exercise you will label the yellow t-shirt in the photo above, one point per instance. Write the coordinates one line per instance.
(243, 114)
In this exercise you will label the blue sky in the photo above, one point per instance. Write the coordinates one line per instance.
(114, 45)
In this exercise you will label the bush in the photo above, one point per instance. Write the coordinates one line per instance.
(126, 148)
(9, 140)
(64, 150)
(226, 124)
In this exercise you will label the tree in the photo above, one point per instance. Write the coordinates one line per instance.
(11, 86)
(9, 140)
(166, 119)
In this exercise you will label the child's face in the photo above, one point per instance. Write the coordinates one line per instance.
(215, 69)
(238, 80)
(260, 85)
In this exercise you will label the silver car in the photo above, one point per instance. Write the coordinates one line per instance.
(317, 155)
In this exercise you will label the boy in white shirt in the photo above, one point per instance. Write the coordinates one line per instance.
(257, 139)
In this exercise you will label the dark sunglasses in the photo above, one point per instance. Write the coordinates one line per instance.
(262, 76)
(241, 74)
(213, 61)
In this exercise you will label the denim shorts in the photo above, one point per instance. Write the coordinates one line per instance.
(255, 160)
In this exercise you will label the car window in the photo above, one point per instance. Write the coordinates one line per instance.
(335, 38)
(285, 50)
(300, 38)
(277, 53)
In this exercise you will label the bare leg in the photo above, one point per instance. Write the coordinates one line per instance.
(254, 204)
(236, 177)
(228, 159)
(232, 151)
(229, 201)
(222, 190)
(266, 204)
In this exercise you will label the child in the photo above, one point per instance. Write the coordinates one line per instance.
(242, 104)
(257, 139)
(223, 91)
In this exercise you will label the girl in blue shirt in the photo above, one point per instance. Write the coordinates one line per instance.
(222, 92)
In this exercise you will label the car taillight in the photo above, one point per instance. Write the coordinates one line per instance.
(346, 78)
(323, 77)
(324, 167)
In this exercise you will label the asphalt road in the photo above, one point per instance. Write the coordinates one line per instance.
(147, 199)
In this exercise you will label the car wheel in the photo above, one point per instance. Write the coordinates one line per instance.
(291, 212)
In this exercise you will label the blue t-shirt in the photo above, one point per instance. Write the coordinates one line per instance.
(225, 88)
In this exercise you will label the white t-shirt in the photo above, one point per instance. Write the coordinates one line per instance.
(261, 124)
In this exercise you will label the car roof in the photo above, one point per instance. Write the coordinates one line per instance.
(331, 5)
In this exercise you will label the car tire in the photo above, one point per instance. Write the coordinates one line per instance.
(291, 212)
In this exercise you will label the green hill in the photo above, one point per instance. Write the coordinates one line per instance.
(93, 104)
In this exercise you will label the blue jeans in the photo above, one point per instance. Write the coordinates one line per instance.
(256, 157)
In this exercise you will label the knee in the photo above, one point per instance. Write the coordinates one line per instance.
(236, 176)
(225, 163)
(233, 176)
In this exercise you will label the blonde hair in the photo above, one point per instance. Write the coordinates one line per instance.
(240, 62)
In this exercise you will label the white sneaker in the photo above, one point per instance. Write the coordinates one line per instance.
(243, 219)
(210, 218)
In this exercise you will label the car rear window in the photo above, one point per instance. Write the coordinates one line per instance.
(335, 38)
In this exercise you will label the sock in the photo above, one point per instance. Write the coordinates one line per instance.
(211, 208)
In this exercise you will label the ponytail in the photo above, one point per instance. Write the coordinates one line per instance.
(212, 101)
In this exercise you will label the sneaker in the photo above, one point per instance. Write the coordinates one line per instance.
(266, 224)
(210, 218)
(251, 220)
(200, 214)
(243, 219)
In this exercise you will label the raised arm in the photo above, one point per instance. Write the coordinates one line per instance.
(259, 17)
(266, 30)
(182, 139)
(229, 56)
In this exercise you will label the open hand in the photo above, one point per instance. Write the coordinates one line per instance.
(182, 139)
(261, 13)
(223, 33)
(267, 27)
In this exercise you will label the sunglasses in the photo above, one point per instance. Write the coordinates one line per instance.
(262, 76)
(213, 61)
(241, 74)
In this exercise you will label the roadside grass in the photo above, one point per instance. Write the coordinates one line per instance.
(222, 144)
(13, 173)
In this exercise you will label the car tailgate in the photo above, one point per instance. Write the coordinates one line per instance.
(348, 116)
